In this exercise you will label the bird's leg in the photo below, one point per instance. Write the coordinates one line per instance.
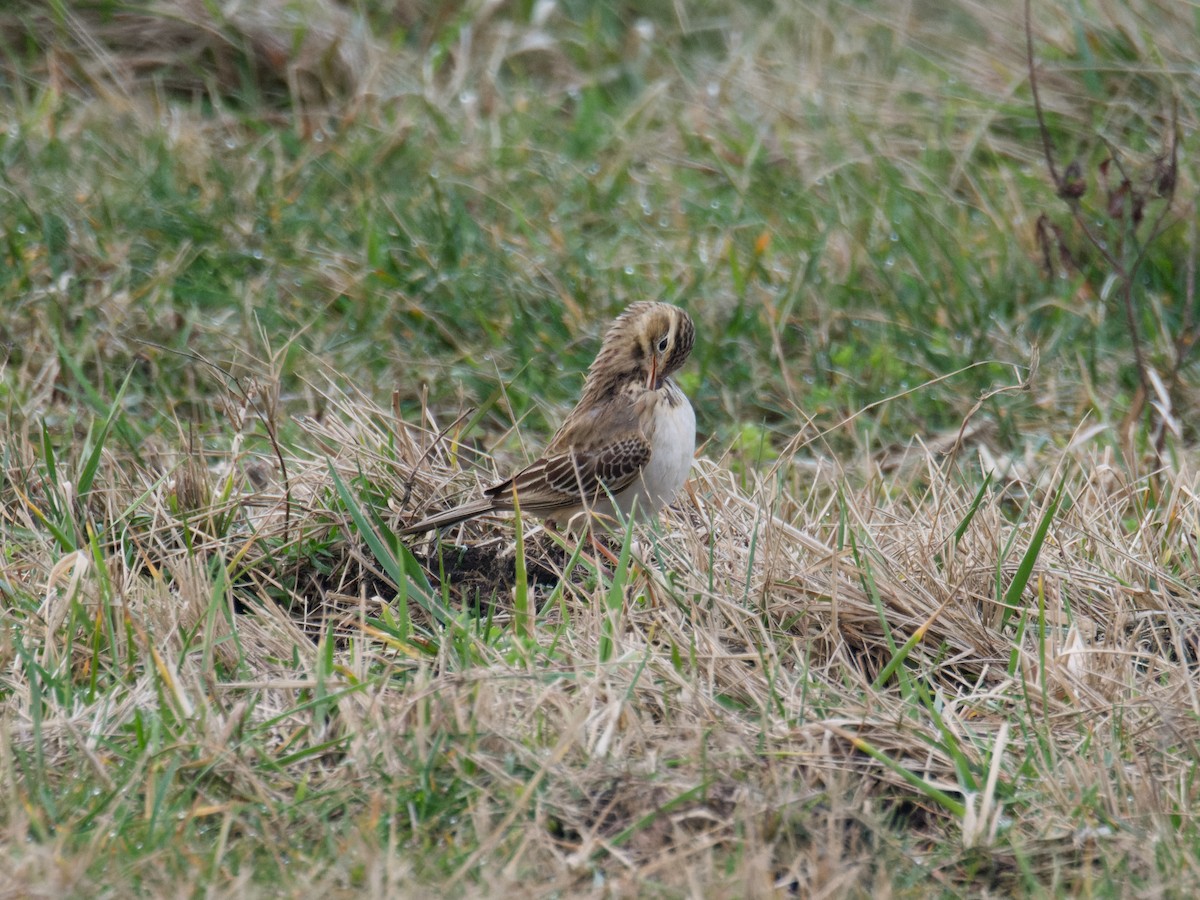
(604, 551)
(564, 538)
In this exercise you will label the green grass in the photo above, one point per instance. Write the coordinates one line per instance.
(236, 308)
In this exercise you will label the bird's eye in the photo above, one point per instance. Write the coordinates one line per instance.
(662, 345)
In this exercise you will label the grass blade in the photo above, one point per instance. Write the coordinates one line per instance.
(401, 566)
(614, 598)
(1017, 586)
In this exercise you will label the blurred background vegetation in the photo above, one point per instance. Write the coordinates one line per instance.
(454, 198)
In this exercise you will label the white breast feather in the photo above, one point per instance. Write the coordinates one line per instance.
(672, 449)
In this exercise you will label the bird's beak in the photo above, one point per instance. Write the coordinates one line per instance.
(651, 382)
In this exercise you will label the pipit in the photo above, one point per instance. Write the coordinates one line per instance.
(630, 440)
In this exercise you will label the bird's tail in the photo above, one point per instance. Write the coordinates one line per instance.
(451, 516)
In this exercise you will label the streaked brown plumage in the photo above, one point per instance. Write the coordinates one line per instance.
(632, 435)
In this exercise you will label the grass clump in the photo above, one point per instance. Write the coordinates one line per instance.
(923, 619)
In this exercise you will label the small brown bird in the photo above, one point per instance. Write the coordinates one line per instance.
(632, 436)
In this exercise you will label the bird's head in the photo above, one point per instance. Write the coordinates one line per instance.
(648, 342)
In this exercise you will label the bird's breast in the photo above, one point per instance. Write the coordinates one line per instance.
(673, 445)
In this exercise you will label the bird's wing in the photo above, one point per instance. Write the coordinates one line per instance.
(571, 477)
(599, 448)
(575, 476)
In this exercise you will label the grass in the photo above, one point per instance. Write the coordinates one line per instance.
(924, 620)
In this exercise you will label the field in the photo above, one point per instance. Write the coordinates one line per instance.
(276, 279)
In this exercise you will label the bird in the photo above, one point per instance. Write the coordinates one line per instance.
(630, 439)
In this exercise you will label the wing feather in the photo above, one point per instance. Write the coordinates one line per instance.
(575, 476)
(599, 449)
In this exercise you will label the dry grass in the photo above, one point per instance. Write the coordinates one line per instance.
(312, 52)
(740, 718)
